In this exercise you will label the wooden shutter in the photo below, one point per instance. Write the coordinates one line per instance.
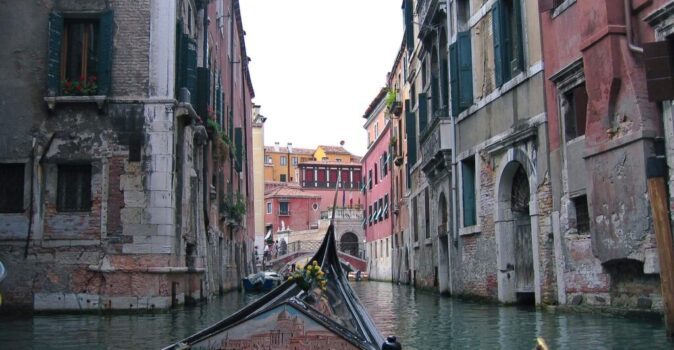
(659, 70)
(454, 77)
(465, 70)
(423, 112)
(409, 25)
(238, 142)
(496, 20)
(191, 68)
(468, 192)
(54, 61)
(105, 44)
(204, 92)
(411, 129)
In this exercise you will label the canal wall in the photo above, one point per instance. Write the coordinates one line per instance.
(117, 207)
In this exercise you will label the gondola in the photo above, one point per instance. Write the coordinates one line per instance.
(295, 317)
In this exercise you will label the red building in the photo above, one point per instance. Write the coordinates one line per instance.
(320, 178)
(602, 129)
(291, 208)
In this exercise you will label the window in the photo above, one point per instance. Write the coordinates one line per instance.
(79, 54)
(582, 214)
(283, 178)
(387, 247)
(283, 208)
(11, 187)
(508, 43)
(269, 208)
(461, 73)
(427, 214)
(74, 188)
(468, 191)
(381, 209)
(369, 181)
(574, 109)
(370, 216)
(268, 160)
(376, 130)
(384, 165)
(376, 178)
(376, 211)
(386, 204)
(338, 160)
(284, 160)
(462, 13)
(294, 161)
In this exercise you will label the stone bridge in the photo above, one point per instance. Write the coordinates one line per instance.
(299, 249)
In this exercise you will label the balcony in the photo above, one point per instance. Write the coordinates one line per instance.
(355, 185)
(426, 10)
(436, 147)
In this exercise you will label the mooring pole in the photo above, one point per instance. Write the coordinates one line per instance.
(657, 192)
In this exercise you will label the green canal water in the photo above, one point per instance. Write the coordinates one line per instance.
(420, 320)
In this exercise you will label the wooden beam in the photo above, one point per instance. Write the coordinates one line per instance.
(657, 192)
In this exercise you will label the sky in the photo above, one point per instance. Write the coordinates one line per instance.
(317, 64)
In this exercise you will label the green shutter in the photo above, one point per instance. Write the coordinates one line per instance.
(496, 20)
(468, 192)
(454, 77)
(238, 142)
(409, 25)
(105, 44)
(423, 112)
(411, 129)
(191, 67)
(465, 70)
(54, 61)
(203, 92)
(444, 84)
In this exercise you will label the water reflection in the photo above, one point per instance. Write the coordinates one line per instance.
(421, 320)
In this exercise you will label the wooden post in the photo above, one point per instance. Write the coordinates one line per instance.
(657, 192)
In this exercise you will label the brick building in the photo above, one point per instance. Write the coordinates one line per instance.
(603, 126)
(118, 164)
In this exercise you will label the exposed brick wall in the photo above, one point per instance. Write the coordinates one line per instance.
(115, 195)
(545, 242)
(130, 59)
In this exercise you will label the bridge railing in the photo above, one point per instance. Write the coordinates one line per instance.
(355, 249)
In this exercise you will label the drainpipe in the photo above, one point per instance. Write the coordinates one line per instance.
(628, 28)
(453, 184)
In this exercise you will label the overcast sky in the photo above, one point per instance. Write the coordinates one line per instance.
(317, 64)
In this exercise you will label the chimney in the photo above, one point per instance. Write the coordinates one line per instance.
(276, 146)
(290, 147)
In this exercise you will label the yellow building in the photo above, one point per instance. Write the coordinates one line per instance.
(280, 163)
(258, 177)
(334, 154)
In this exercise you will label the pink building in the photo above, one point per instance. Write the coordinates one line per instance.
(291, 208)
(377, 211)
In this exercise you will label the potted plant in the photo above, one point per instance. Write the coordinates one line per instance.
(84, 86)
(234, 208)
(309, 277)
